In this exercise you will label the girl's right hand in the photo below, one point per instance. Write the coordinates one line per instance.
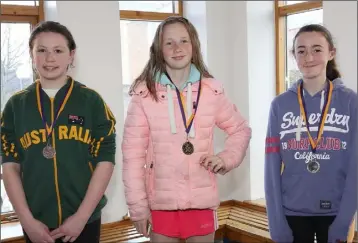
(142, 226)
(38, 232)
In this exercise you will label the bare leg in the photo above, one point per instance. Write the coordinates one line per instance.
(158, 238)
(202, 238)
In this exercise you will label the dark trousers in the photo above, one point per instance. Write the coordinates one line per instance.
(305, 228)
(90, 234)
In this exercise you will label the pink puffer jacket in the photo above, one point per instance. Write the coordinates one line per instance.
(157, 175)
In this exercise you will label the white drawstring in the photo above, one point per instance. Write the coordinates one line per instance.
(322, 100)
(299, 129)
(300, 121)
(171, 110)
(189, 108)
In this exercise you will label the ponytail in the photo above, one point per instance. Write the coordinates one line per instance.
(332, 71)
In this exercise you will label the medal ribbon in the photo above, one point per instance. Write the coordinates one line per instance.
(60, 107)
(303, 111)
(187, 123)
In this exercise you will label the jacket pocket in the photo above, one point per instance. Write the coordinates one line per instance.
(290, 184)
(328, 192)
(294, 192)
(150, 179)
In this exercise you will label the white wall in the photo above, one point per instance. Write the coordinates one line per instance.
(262, 88)
(238, 46)
(96, 29)
(344, 30)
(196, 12)
(227, 55)
(341, 20)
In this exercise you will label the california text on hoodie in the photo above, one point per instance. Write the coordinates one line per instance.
(331, 187)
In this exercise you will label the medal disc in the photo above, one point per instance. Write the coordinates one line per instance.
(48, 152)
(188, 148)
(313, 166)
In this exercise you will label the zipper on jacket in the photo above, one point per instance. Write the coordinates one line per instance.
(151, 177)
(55, 166)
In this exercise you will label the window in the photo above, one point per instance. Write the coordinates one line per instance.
(139, 22)
(293, 2)
(23, 3)
(16, 69)
(150, 6)
(136, 38)
(289, 17)
(16, 72)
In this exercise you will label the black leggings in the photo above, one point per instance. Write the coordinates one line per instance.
(305, 228)
(90, 234)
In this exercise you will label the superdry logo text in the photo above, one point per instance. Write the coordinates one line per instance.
(334, 122)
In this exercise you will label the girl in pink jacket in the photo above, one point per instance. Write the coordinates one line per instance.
(169, 166)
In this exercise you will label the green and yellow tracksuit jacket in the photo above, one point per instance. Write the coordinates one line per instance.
(83, 136)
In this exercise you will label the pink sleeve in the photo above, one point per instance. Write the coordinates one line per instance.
(230, 120)
(134, 147)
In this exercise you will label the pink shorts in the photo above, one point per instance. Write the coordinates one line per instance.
(184, 223)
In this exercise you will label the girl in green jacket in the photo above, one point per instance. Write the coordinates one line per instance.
(57, 145)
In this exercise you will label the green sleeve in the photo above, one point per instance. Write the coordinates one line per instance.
(9, 146)
(103, 143)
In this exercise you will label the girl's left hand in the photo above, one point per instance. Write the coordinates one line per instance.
(70, 229)
(212, 163)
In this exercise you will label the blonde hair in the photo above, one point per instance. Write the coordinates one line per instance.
(156, 62)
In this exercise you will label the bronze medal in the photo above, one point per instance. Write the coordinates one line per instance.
(188, 148)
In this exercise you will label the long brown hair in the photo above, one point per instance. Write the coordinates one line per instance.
(156, 61)
(332, 71)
